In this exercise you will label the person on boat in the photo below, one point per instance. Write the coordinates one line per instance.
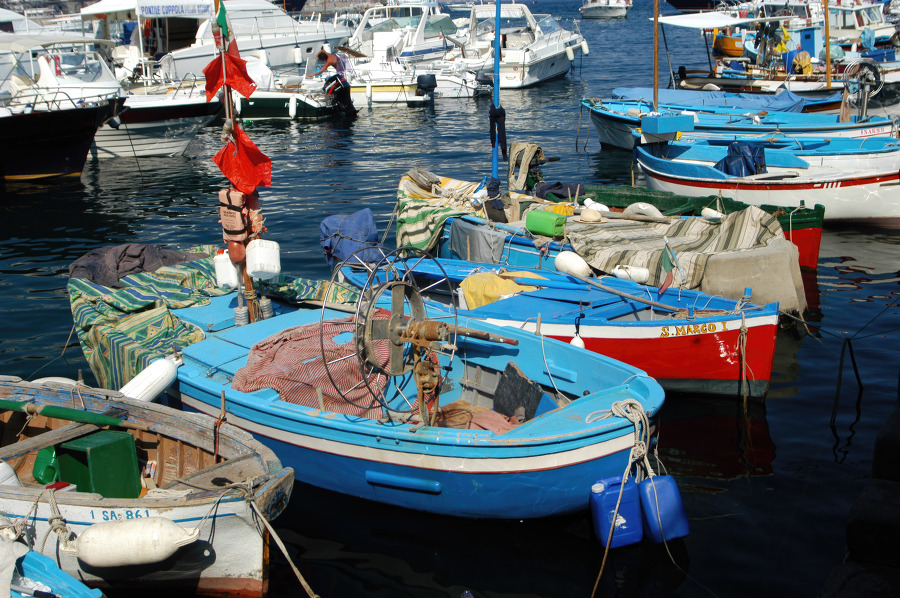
(329, 60)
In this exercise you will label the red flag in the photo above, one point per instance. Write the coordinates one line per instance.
(236, 74)
(243, 163)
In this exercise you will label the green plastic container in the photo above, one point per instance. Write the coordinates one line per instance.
(104, 462)
(46, 469)
(547, 224)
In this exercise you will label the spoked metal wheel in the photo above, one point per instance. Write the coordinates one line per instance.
(863, 80)
(394, 343)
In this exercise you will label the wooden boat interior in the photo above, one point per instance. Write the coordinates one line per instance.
(172, 451)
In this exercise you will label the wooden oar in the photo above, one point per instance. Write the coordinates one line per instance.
(69, 414)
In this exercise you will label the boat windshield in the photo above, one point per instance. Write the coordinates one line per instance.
(800, 11)
(438, 25)
(857, 19)
(548, 24)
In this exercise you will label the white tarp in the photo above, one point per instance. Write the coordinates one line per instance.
(151, 9)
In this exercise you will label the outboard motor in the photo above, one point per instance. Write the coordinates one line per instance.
(337, 89)
(425, 85)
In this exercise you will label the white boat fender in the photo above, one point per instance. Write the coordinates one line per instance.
(570, 53)
(711, 214)
(292, 106)
(130, 542)
(636, 273)
(644, 209)
(298, 55)
(584, 47)
(569, 262)
(152, 380)
(590, 204)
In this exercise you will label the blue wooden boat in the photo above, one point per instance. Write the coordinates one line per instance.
(731, 343)
(618, 122)
(689, 99)
(34, 567)
(405, 406)
(855, 179)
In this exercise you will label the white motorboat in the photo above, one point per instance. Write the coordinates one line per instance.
(48, 69)
(255, 24)
(605, 9)
(408, 32)
(534, 48)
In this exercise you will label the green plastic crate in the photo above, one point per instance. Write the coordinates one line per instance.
(104, 462)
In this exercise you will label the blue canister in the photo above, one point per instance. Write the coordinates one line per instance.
(628, 527)
(664, 516)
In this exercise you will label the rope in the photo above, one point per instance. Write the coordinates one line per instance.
(633, 411)
(55, 521)
(306, 586)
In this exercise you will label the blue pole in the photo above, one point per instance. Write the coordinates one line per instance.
(494, 151)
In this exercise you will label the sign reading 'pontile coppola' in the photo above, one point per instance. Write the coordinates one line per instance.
(167, 9)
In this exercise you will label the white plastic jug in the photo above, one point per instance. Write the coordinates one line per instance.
(226, 271)
(263, 259)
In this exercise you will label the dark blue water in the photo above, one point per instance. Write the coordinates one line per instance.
(767, 493)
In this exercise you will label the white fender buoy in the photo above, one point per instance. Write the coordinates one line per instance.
(577, 341)
(298, 55)
(152, 380)
(236, 101)
(292, 106)
(569, 262)
(711, 214)
(636, 273)
(130, 542)
(570, 53)
(584, 47)
(644, 209)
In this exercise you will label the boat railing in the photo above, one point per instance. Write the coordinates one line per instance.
(189, 82)
(51, 99)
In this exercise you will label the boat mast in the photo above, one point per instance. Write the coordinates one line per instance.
(827, 48)
(656, 55)
(496, 147)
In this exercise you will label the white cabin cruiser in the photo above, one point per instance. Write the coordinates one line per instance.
(47, 69)
(534, 48)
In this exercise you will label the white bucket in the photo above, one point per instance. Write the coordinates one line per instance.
(263, 259)
(8, 475)
(226, 271)
(636, 273)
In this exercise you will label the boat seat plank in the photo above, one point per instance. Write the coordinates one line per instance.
(63, 434)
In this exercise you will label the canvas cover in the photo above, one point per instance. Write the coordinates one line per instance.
(693, 241)
(343, 235)
(783, 101)
(743, 159)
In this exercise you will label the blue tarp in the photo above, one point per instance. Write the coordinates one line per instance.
(743, 159)
(342, 235)
(783, 101)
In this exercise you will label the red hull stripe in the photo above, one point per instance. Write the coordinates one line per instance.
(744, 185)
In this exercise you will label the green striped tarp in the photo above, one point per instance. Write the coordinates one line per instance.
(122, 330)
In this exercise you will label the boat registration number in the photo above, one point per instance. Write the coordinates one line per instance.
(689, 329)
(119, 514)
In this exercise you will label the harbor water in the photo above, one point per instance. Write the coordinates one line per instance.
(767, 488)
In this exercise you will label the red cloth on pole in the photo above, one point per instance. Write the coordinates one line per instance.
(243, 163)
(235, 74)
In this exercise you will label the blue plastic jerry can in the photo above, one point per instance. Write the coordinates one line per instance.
(664, 516)
(627, 528)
